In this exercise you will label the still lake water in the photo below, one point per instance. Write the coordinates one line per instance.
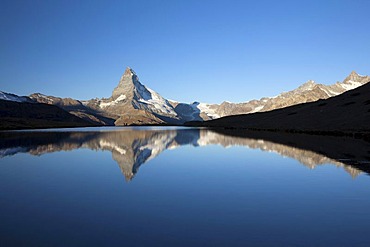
(182, 187)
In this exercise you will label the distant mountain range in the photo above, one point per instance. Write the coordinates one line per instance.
(348, 112)
(132, 103)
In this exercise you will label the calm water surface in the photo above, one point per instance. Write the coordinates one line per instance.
(182, 187)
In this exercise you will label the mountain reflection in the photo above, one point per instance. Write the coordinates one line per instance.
(131, 148)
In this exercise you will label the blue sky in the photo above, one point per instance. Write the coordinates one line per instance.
(207, 51)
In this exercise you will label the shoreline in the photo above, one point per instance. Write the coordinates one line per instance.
(358, 134)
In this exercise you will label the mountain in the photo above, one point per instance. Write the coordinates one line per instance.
(347, 112)
(22, 113)
(13, 97)
(75, 107)
(308, 92)
(132, 103)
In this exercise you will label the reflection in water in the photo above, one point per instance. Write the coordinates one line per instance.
(131, 148)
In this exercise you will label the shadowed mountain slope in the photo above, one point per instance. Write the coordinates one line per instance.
(349, 111)
(25, 115)
(76, 108)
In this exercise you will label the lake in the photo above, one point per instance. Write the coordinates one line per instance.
(168, 186)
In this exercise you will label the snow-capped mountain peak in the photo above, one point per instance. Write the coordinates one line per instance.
(353, 77)
(353, 81)
(140, 96)
(130, 84)
(133, 103)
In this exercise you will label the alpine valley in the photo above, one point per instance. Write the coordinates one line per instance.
(132, 103)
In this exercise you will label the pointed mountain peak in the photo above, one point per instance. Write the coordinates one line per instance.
(129, 87)
(127, 83)
(129, 72)
(354, 77)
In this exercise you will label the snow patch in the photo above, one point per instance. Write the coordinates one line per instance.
(205, 108)
(158, 102)
(257, 109)
(120, 98)
(349, 85)
(330, 93)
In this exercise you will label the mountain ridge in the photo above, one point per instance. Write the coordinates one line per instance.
(325, 115)
(145, 102)
(132, 103)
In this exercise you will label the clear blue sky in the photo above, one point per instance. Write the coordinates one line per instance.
(187, 50)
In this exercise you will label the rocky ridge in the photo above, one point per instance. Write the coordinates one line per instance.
(74, 107)
(347, 113)
(308, 92)
(132, 103)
